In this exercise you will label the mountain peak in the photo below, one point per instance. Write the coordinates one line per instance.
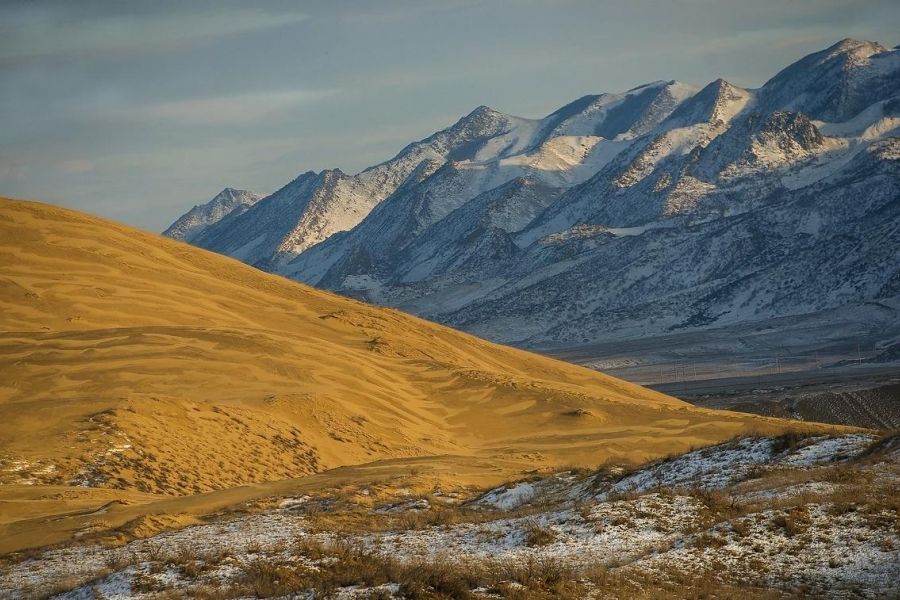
(718, 102)
(482, 115)
(228, 194)
(835, 84)
(200, 216)
(659, 83)
(484, 110)
(863, 48)
(330, 174)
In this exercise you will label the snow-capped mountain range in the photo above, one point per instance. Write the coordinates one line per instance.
(664, 208)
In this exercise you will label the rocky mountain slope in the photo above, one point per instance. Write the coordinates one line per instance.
(316, 205)
(663, 209)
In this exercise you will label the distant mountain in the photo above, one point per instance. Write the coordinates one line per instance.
(663, 209)
(835, 84)
(314, 206)
(227, 202)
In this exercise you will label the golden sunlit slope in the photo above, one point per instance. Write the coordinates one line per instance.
(131, 361)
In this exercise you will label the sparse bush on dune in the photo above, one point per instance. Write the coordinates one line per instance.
(538, 535)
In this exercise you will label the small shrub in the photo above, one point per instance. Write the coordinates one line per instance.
(709, 540)
(740, 527)
(154, 552)
(311, 548)
(716, 501)
(544, 576)
(267, 579)
(794, 523)
(787, 441)
(187, 562)
(116, 561)
(141, 582)
(442, 579)
(585, 511)
(537, 535)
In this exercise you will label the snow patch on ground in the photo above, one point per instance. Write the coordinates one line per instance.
(507, 498)
(828, 449)
(710, 468)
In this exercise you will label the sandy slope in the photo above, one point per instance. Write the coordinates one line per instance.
(134, 362)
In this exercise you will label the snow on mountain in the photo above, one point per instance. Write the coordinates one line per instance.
(648, 179)
(557, 151)
(201, 216)
(315, 206)
(627, 115)
(660, 209)
(717, 103)
(803, 251)
(837, 83)
(493, 215)
(487, 149)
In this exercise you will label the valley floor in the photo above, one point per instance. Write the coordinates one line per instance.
(826, 367)
(751, 518)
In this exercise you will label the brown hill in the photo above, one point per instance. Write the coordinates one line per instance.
(134, 362)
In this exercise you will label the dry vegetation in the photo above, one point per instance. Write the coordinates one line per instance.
(329, 570)
(829, 526)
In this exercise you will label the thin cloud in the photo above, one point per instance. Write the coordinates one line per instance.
(31, 35)
(239, 108)
(76, 166)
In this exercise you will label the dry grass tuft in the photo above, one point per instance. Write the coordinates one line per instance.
(538, 535)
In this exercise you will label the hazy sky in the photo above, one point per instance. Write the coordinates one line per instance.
(139, 110)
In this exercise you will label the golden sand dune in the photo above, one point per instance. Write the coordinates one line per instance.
(134, 362)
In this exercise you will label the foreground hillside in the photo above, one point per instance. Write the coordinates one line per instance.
(135, 368)
(782, 517)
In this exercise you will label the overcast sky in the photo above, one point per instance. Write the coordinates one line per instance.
(139, 110)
